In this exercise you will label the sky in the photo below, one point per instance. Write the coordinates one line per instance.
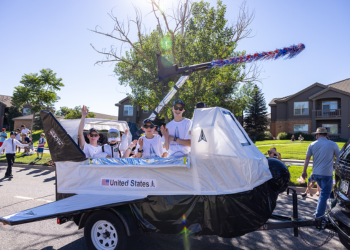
(41, 34)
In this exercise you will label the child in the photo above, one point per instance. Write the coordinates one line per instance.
(176, 134)
(116, 146)
(3, 137)
(149, 145)
(10, 147)
(310, 184)
(18, 138)
(41, 146)
(27, 140)
(300, 138)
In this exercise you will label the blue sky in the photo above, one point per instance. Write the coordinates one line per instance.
(54, 34)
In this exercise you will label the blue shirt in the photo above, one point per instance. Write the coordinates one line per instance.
(2, 139)
(323, 151)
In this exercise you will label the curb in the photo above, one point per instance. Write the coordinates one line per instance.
(3, 164)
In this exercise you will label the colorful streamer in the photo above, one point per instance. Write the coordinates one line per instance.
(287, 52)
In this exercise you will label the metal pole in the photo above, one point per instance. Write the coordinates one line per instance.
(168, 97)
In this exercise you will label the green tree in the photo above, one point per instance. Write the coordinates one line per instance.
(73, 113)
(255, 120)
(38, 90)
(13, 112)
(199, 34)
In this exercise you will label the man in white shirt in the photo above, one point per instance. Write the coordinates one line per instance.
(176, 134)
(10, 147)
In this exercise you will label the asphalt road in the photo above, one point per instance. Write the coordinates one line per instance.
(30, 183)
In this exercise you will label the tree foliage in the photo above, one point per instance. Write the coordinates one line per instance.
(200, 33)
(255, 120)
(13, 112)
(38, 90)
(73, 113)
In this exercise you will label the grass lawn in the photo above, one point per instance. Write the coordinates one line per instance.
(30, 159)
(296, 172)
(295, 150)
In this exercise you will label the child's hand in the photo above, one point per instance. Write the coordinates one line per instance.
(141, 143)
(84, 111)
(108, 156)
(133, 144)
(126, 131)
(164, 131)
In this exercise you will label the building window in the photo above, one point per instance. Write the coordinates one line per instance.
(27, 111)
(301, 128)
(145, 109)
(331, 128)
(128, 110)
(331, 105)
(301, 108)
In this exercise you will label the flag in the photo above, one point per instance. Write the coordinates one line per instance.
(105, 182)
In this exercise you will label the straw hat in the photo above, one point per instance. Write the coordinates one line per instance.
(321, 130)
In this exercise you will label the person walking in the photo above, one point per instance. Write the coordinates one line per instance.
(10, 147)
(323, 151)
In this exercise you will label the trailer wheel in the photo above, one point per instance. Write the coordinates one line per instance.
(104, 231)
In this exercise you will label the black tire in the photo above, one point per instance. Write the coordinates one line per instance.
(114, 231)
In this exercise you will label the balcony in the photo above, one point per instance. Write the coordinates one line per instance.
(328, 113)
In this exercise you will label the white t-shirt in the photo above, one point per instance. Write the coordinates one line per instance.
(181, 130)
(90, 150)
(18, 137)
(25, 131)
(152, 148)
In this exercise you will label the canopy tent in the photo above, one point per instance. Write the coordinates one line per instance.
(72, 126)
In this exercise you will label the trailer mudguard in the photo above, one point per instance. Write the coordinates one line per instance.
(70, 206)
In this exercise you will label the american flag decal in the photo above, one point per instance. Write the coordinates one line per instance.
(105, 182)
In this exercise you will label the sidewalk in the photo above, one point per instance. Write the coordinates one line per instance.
(295, 162)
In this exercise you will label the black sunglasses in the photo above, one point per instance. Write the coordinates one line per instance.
(148, 126)
(93, 135)
(178, 108)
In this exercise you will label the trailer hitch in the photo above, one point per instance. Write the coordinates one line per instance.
(295, 209)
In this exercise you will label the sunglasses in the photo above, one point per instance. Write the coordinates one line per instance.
(178, 108)
(93, 135)
(148, 126)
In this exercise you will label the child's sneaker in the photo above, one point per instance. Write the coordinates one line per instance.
(40, 158)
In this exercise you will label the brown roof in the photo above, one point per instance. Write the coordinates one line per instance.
(104, 116)
(5, 99)
(343, 85)
(25, 117)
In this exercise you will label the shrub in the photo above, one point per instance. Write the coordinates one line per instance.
(260, 137)
(268, 135)
(283, 136)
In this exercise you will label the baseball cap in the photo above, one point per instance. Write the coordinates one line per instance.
(3, 129)
(93, 130)
(146, 121)
(113, 135)
(13, 133)
(200, 105)
(179, 102)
